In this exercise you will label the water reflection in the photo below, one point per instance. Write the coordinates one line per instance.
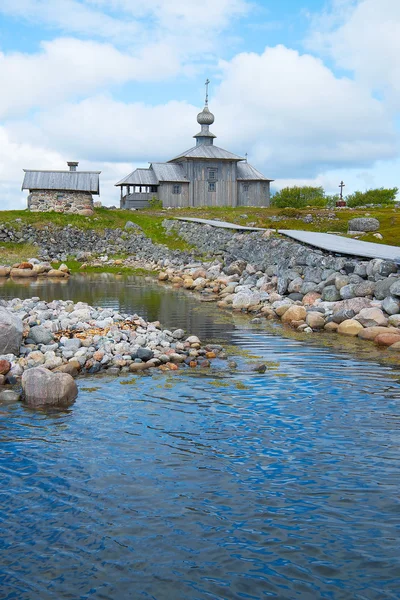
(210, 485)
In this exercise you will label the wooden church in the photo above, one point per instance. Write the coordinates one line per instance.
(204, 175)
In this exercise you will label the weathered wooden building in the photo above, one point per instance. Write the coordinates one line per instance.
(62, 191)
(204, 175)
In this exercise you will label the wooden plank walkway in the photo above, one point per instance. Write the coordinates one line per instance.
(343, 245)
(325, 241)
(223, 224)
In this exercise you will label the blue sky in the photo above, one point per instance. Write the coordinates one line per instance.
(309, 88)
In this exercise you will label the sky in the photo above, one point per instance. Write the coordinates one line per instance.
(309, 89)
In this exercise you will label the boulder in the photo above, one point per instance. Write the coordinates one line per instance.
(294, 313)
(391, 305)
(331, 326)
(40, 335)
(330, 294)
(343, 315)
(363, 224)
(310, 298)
(395, 288)
(387, 339)
(16, 272)
(355, 304)
(41, 387)
(5, 271)
(245, 299)
(11, 329)
(366, 288)
(56, 273)
(350, 327)
(315, 320)
(382, 287)
(371, 317)
(370, 333)
(236, 268)
(5, 366)
(347, 291)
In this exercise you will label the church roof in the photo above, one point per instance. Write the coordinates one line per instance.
(168, 172)
(212, 152)
(153, 175)
(246, 172)
(139, 177)
(76, 181)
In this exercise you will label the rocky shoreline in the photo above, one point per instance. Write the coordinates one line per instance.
(66, 338)
(267, 276)
(310, 290)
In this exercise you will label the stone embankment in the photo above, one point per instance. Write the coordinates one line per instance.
(59, 243)
(310, 290)
(63, 337)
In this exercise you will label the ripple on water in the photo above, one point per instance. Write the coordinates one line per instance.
(209, 485)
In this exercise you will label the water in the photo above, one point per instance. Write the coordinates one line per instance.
(219, 485)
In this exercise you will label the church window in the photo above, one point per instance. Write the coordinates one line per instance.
(212, 174)
(177, 189)
(246, 187)
(211, 187)
(153, 188)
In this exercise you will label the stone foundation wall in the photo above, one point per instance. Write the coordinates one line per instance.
(80, 203)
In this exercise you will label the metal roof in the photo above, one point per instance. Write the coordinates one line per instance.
(212, 152)
(168, 172)
(246, 172)
(140, 177)
(77, 181)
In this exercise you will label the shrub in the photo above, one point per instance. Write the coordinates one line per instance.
(299, 197)
(383, 196)
(155, 203)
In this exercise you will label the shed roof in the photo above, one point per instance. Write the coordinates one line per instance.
(168, 172)
(246, 172)
(77, 181)
(140, 177)
(211, 152)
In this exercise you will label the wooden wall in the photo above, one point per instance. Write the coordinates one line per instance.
(169, 199)
(226, 187)
(257, 194)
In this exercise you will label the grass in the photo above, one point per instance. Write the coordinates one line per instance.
(150, 220)
(75, 267)
(12, 252)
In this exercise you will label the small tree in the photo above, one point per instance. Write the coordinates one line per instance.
(387, 197)
(299, 197)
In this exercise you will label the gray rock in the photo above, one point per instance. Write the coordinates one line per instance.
(44, 388)
(41, 335)
(391, 305)
(330, 294)
(295, 285)
(131, 225)
(9, 396)
(347, 291)
(343, 315)
(367, 288)
(236, 268)
(11, 329)
(178, 334)
(72, 344)
(363, 224)
(313, 274)
(360, 269)
(382, 287)
(341, 281)
(144, 354)
(395, 288)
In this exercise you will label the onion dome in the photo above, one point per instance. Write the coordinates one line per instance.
(205, 117)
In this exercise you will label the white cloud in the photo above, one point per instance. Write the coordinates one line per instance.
(292, 114)
(71, 68)
(363, 36)
(288, 111)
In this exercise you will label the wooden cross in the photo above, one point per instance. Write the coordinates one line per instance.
(342, 185)
(207, 84)
(246, 155)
